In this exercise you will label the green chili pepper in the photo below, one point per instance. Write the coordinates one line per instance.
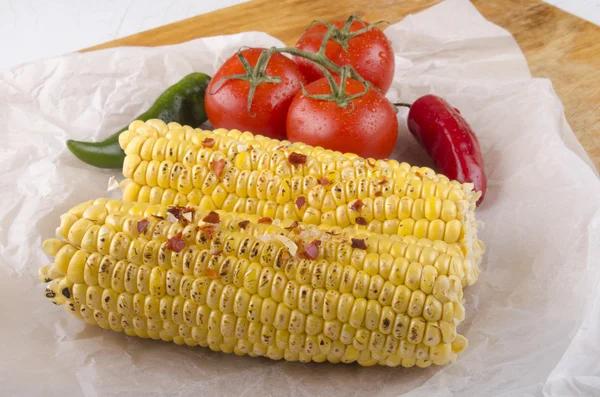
(183, 103)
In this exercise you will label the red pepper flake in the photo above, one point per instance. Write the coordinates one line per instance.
(300, 201)
(176, 243)
(178, 212)
(212, 274)
(217, 253)
(208, 231)
(333, 233)
(357, 205)
(378, 194)
(217, 167)
(281, 147)
(141, 225)
(361, 221)
(285, 255)
(292, 226)
(418, 174)
(250, 148)
(159, 217)
(212, 217)
(297, 158)
(208, 142)
(311, 250)
(243, 224)
(324, 181)
(359, 243)
(266, 219)
(370, 164)
(383, 181)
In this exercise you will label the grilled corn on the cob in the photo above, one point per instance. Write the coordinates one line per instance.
(240, 172)
(239, 283)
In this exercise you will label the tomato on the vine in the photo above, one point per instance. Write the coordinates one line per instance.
(367, 126)
(369, 53)
(226, 101)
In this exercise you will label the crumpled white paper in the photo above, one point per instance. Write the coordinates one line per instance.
(533, 318)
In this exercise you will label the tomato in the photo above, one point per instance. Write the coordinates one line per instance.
(227, 105)
(369, 53)
(367, 126)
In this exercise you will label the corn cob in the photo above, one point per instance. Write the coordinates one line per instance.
(246, 286)
(171, 164)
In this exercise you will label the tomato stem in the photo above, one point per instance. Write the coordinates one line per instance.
(338, 92)
(406, 105)
(254, 76)
(343, 35)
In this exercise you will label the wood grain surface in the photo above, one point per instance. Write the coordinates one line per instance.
(556, 44)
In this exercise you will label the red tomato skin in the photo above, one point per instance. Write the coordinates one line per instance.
(368, 128)
(370, 53)
(226, 106)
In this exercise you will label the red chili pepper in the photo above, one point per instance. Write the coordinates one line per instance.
(449, 140)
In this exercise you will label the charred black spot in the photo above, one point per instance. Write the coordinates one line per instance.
(107, 299)
(386, 322)
(66, 293)
(414, 333)
(49, 293)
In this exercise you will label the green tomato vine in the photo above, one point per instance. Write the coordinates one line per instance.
(256, 75)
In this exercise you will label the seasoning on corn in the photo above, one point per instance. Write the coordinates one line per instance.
(394, 301)
(168, 164)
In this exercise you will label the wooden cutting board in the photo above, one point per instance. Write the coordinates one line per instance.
(557, 45)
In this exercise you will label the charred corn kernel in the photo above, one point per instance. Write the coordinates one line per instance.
(413, 276)
(373, 315)
(416, 303)
(361, 286)
(433, 335)
(390, 191)
(416, 330)
(234, 286)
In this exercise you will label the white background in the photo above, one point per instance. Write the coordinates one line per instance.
(33, 29)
